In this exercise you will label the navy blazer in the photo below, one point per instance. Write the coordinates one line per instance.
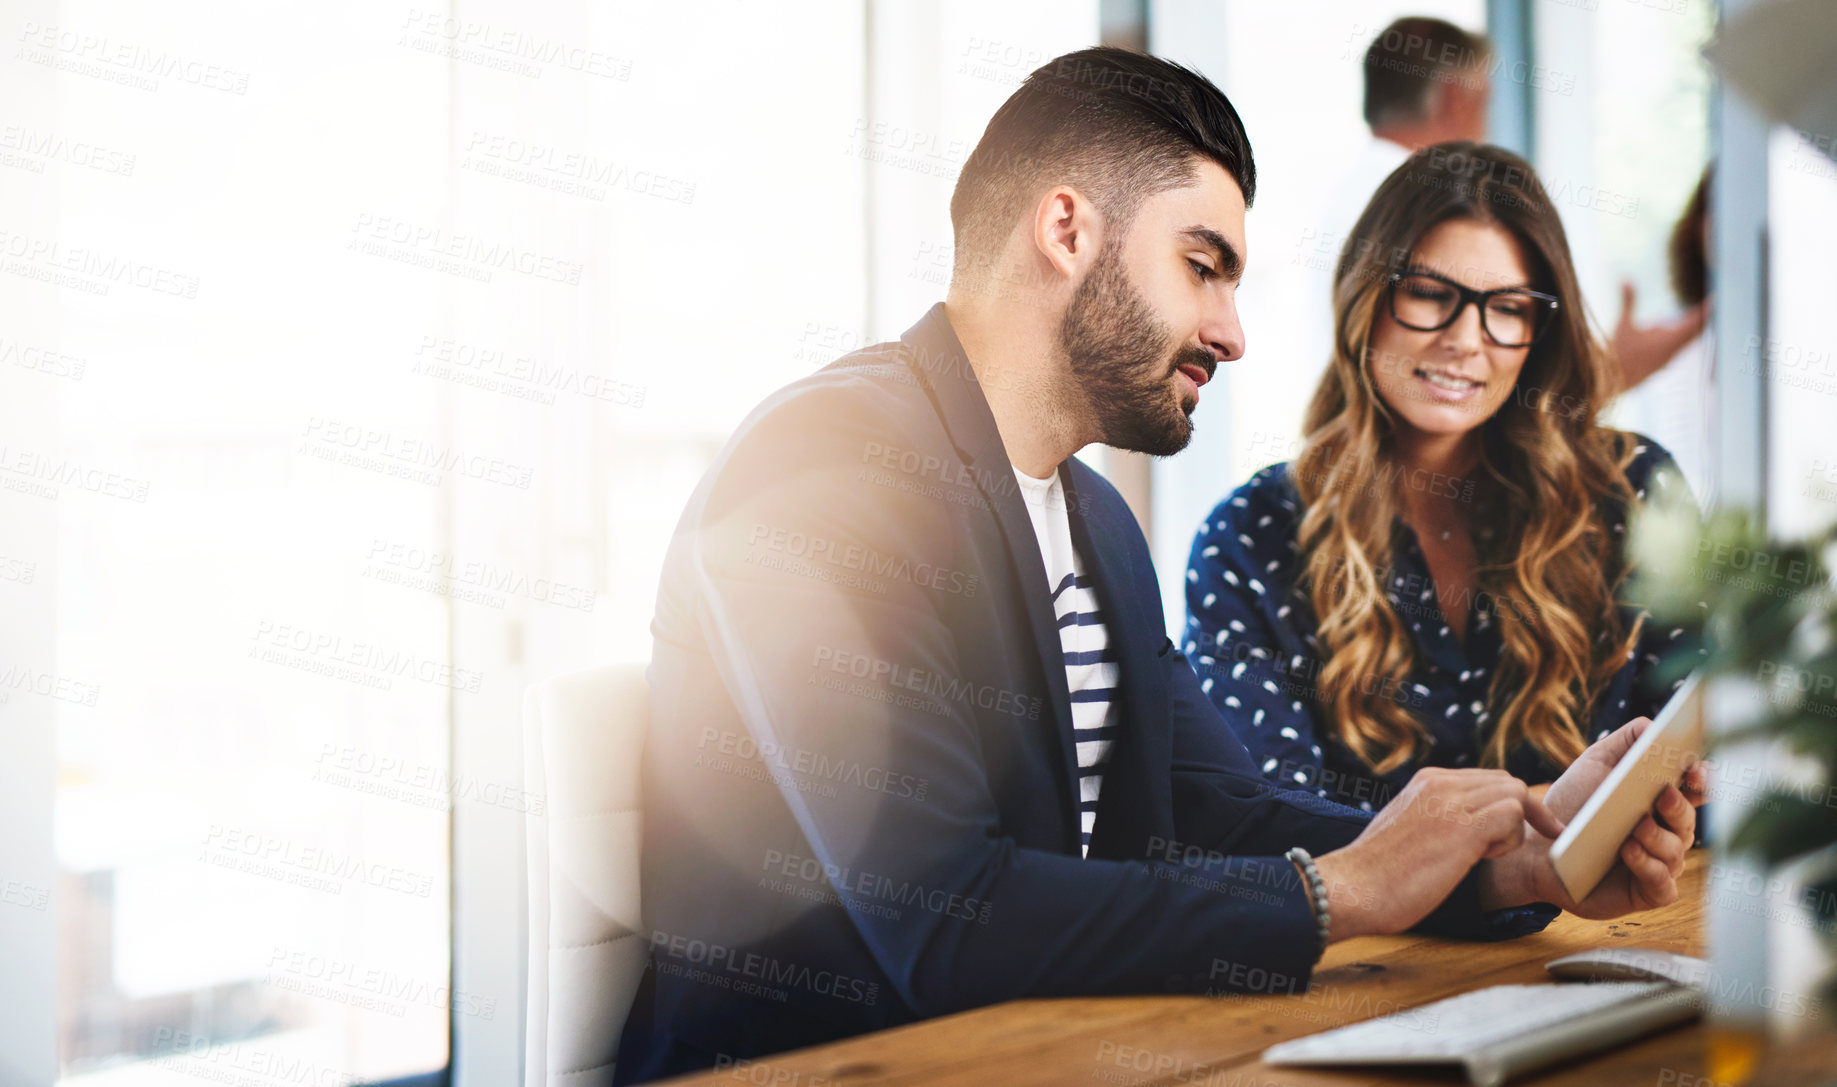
(861, 799)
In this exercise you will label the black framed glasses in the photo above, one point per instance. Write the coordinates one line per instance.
(1511, 316)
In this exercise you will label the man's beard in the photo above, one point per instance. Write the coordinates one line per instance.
(1122, 359)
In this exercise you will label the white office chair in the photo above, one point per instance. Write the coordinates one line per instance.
(583, 739)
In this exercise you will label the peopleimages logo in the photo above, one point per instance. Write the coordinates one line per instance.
(405, 456)
(205, 1059)
(367, 663)
(327, 975)
(859, 883)
(314, 867)
(930, 683)
(804, 762)
(822, 552)
(467, 255)
(113, 60)
(488, 577)
(732, 969)
(88, 269)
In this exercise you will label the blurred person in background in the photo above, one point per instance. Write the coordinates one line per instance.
(1670, 400)
(1425, 83)
(1432, 582)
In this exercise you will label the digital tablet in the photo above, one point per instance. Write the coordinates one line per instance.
(1591, 842)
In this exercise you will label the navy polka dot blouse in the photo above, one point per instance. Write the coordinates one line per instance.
(1251, 638)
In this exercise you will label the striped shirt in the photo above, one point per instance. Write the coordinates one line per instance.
(1091, 671)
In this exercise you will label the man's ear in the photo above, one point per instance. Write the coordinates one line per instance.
(1067, 231)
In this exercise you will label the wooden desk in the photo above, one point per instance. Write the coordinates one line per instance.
(1215, 1041)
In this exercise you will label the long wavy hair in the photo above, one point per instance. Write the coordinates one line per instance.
(1546, 480)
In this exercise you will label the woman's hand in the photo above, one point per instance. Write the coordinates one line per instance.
(1645, 875)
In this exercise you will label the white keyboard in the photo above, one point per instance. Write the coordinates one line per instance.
(1503, 1031)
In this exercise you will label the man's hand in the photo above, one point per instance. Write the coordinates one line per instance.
(1423, 843)
(1643, 350)
(1645, 877)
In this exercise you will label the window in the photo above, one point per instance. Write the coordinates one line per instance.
(253, 675)
(1800, 348)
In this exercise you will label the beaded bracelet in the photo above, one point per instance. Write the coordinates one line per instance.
(1322, 918)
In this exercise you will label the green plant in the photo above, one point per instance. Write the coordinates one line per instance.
(1766, 612)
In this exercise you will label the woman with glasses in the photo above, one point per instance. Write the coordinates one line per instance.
(1434, 579)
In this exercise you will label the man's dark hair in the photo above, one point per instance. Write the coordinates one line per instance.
(1408, 58)
(1116, 125)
